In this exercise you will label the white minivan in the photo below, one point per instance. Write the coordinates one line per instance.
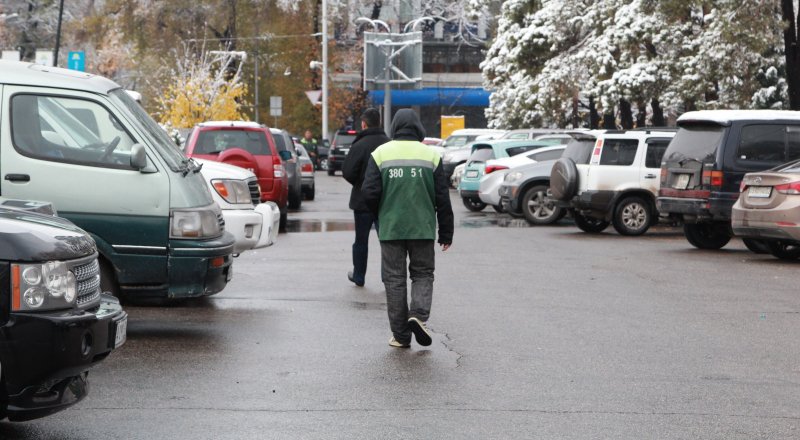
(81, 142)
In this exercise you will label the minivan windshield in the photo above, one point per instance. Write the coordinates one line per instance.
(159, 139)
(695, 142)
(580, 150)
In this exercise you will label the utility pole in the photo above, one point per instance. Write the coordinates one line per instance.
(324, 69)
(58, 32)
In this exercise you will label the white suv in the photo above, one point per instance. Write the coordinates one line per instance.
(607, 177)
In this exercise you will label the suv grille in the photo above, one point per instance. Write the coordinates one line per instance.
(221, 222)
(88, 277)
(255, 192)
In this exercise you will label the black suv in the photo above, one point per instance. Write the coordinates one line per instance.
(706, 161)
(55, 324)
(339, 149)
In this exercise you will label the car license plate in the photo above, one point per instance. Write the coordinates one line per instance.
(472, 173)
(682, 182)
(759, 192)
(121, 335)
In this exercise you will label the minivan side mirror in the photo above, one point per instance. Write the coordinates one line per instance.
(138, 157)
(285, 155)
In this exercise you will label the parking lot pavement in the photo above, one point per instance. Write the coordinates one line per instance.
(540, 332)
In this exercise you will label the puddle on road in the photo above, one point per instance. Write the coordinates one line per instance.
(503, 221)
(311, 225)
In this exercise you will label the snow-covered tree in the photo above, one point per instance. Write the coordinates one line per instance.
(203, 90)
(632, 57)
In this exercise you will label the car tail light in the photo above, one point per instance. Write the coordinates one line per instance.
(663, 176)
(712, 178)
(789, 188)
(277, 170)
(307, 168)
(742, 186)
(493, 168)
(598, 150)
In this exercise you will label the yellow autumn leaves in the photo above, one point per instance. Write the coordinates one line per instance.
(199, 98)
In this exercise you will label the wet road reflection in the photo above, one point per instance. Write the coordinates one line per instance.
(313, 225)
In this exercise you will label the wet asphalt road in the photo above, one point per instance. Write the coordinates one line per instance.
(539, 333)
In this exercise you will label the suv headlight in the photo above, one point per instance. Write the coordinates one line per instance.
(512, 177)
(232, 191)
(196, 223)
(45, 286)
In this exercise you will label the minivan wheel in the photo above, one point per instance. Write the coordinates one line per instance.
(785, 250)
(474, 205)
(632, 216)
(707, 235)
(590, 224)
(537, 210)
(756, 246)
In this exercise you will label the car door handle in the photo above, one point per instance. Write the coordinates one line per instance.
(650, 176)
(18, 177)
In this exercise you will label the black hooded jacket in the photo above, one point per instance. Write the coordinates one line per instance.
(406, 126)
(355, 163)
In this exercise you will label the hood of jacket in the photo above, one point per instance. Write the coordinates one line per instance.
(407, 126)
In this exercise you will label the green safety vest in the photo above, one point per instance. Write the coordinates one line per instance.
(408, 202)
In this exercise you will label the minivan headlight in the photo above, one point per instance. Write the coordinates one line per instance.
(45, 286)
(203, 222)
(232, 191)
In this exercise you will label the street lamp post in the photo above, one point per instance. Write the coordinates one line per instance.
(324, 69)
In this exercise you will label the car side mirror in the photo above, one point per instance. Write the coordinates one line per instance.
(285, 155)
(138, 157)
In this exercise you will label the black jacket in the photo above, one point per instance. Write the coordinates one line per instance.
(355, 163)
(407, 126)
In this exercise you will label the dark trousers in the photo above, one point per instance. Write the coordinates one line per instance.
(420, 254)
(364, 221)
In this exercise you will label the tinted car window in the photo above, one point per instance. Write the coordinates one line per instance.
(580, 150)
(280, 142)
(513, 151)
(792, 143)
(619, 152)
(517, 136)
(217, 141)
(482, 154)
(655, 152)
(762, 143)
(546, 155)
(344, 140)
(696, 142)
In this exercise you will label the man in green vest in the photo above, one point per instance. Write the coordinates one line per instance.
(406, 188)
(310, 144)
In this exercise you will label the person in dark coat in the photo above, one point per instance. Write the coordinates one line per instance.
(353, 169)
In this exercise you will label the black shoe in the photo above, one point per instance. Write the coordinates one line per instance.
(350, 277)
(420, 332)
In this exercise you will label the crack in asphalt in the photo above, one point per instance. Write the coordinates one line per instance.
(446, 342)
(454, 410)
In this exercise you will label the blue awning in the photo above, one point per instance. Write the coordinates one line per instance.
(435, 96)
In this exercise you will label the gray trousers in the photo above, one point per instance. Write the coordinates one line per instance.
(421, 256)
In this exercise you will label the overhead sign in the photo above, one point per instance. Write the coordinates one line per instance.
(275, 106)
(451, 124)
(10, 55)
(77, 61)
(44, 57)
(314, 96)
